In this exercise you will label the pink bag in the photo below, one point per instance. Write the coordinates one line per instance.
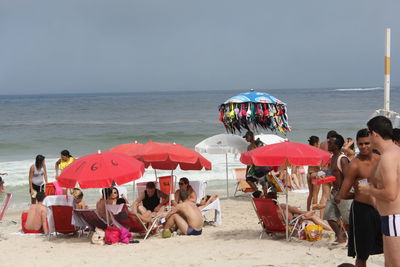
(125, 236)
(112, 235)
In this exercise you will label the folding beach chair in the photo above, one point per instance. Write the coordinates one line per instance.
(216, 207)
(166, 184)
(271, 223)
(62, 216)
(91, 218)
(241, 184)
(5, 205)
(122, 217)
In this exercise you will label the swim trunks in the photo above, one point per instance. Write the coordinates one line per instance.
(365, 236)
(191, 231)
(334, 211)
(391, 225)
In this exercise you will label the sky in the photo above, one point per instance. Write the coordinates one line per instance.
(71, 46)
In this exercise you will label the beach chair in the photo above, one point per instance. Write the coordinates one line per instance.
(91, 218)
(216, 207)
(200, 188)
(166, 184)
(62, 216)
(5, 205)
(241, 184)
(271, 223)
(122, 217)
(50, 189)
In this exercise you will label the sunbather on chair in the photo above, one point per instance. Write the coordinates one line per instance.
(206, 200)
(308, 215)
(37, 215)
(186, 216)
(149, 205)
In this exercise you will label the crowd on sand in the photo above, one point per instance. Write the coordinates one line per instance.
(361, 205)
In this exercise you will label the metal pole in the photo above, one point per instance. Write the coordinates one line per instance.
(226, 166)
(386, 103)
(287, 216)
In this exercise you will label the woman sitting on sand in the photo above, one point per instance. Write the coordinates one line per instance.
(184, 186)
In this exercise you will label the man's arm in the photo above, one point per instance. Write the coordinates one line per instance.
(344, 163)
(388, 172)
(164, 196)
(348, 181)
(137, 202)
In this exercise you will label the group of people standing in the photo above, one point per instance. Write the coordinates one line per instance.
(364, 199)
(38, 172)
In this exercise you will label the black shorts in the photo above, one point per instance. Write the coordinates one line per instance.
(37, 188)
(365, 236)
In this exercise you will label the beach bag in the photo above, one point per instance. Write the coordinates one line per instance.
(112, 235)
(125, 236)
(98, 237)
(313, 232)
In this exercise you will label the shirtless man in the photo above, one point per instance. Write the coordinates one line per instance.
(324, 144)
(186, 216)
(384, 186)
(365, 236)
(336, 210)
(37, 215)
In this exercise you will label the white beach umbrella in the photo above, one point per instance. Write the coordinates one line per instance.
(269, 139)
(223, 144)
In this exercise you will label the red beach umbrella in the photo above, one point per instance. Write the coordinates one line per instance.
(126, 148)
(278, 154)
(167, 156)
(100, 170)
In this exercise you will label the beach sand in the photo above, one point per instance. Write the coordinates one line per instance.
(235, 243)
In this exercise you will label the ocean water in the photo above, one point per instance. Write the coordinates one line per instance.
(86, 123)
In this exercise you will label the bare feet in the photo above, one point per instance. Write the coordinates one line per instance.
(318, 206)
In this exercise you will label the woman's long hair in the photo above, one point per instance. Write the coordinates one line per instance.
(39, 161)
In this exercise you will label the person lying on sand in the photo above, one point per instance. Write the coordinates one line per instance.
(186, 216)
(37, 215)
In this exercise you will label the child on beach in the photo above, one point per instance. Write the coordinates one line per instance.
(78, 197)
(37, 215)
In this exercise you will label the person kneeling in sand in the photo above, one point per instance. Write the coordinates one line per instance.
(186, 216)
(37, 215)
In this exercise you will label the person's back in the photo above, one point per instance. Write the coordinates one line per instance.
(192, 214)
(37, 215)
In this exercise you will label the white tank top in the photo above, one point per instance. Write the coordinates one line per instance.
(38, 176)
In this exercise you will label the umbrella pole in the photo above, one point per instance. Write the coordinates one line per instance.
(226, 167)
(287, 209)
(134, 192)
(105, 206)
(171, 182)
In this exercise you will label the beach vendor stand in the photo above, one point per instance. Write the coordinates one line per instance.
(286, 154)
(101, 170)
(254, 110)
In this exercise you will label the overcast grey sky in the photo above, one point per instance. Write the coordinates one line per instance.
(128, 45)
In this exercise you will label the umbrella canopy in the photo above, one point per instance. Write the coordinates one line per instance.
(269, 139)
(278, 154)
(100, 170)
(167, 156)
(126, 148)
(254, 109)
(222, 144)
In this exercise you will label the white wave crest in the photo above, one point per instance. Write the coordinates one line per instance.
(359, 89)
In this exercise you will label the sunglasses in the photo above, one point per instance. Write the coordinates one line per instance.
(181, 183)
(114, 192)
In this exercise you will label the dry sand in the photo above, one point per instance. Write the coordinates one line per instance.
(235, 243)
